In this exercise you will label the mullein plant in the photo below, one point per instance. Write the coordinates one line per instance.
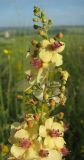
(40, 136)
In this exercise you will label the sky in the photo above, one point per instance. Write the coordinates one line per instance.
(62, 12)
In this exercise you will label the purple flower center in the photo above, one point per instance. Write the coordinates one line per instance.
(65, 151)
(36, 62)
(54, 133)
(25, 143)
(56, 45)
(43, 153)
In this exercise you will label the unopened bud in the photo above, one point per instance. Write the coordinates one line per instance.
(46, 96)
(34, 42)
(52, 102)
(60, 35)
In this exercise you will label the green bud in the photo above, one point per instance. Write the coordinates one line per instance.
(36, 26)
(44, 20)
(35, 20)
(49, 22)
(42, 14)
(36, 11)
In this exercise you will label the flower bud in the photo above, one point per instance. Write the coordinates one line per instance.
(36, 117)
(49, 22)
(41, 33)
(44, 20)
(60, 35)
(36, 26)
(30, 123)
(46, 96)
(35, 20)
(36, 11)
(64, 75)
(34, 42)
(63, 88)
(52, 103)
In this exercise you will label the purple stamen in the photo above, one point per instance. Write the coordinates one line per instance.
(43, 153)
(25, 143)
(54, 133)
(65, 151)
(56, 45)
(36, 62)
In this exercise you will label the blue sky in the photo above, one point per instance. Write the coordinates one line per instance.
(62, 12)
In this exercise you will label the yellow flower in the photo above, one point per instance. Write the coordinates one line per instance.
(52, 155)
(52, 133)
(7, 52)
(23, 139)
(5, 149)
(33, 151)
(50, 56)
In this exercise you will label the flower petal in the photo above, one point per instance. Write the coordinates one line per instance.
(44, 43)
(59, 142)
(16, 125)
(54, 155)
(48, 123)
(58, 126)
(49, 143)
(42, 131)
(57, 59)
(45, 55)
(22, 133)
(17, 151)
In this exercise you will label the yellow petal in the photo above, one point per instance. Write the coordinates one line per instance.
(17, 151)
(45, 43)
(59, 142)
(15, 125)
(54, 155)
(57, 59)
(45, 55)
(48, 123)
(32, 152)
(49, 143)
(42, 131)
(57, 126)
(22, 133)
(52, 40)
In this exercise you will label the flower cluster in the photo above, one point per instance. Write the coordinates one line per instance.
(45, 59)
(40, 136)
(37, 140)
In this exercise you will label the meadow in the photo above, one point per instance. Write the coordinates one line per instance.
(13, 64)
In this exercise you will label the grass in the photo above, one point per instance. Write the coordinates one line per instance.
(12, 71)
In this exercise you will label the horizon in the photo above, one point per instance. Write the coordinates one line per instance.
(34, 29)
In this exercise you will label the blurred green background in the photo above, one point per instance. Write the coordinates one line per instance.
(14, 44)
